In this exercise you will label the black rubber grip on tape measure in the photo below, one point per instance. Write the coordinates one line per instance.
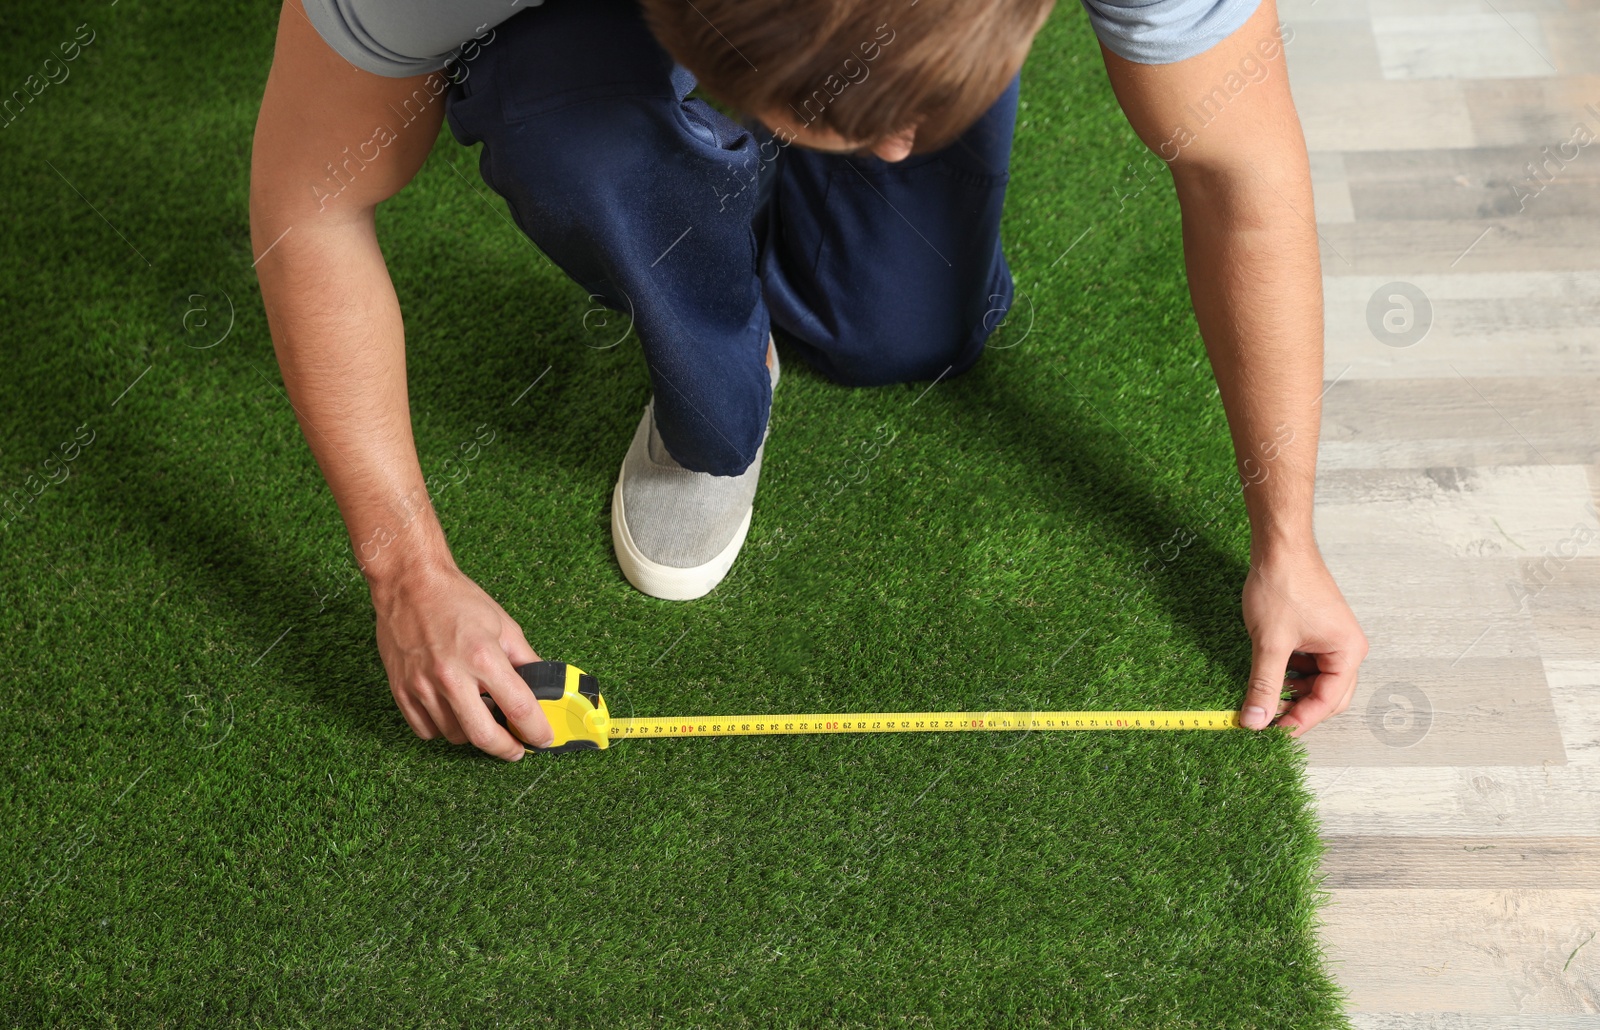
(571, 745)
(548, 680)
(589, 687)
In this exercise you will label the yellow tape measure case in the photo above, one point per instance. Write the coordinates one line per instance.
(572, 703)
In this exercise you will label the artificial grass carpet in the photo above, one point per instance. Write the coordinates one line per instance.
(217, 815)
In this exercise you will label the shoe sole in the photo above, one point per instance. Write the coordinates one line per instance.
(669, 582)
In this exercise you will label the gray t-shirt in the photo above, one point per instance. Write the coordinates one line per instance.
(412, 37)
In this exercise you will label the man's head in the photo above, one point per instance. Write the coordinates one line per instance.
(852, 75)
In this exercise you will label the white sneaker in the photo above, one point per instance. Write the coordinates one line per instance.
(677, 532)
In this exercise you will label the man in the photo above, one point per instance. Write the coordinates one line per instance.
(855, 214)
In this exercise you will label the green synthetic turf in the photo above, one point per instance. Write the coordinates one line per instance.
(215, 815)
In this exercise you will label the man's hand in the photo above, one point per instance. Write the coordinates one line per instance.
(1298, 619)
(445, 642)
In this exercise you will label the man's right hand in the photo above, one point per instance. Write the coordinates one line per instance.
(444, 642)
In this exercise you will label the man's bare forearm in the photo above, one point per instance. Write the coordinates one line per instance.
(1256, 281)
(331, 308)
(337, 331)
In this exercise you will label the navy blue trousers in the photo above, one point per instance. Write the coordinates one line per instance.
(709, 234)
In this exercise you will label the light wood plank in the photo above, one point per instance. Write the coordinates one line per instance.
(1300, 12)
(1371, 862)
(1422, 515)
(1575, 695)
(1384, 115)
(1462, 8)
(1442, 422)
(1485, 43)
(1465, 1021)
(1329, 50)
(1564, 597)
(1557, 179)
(1574, 40)
(1330, 192)
(1498, 324)
(1404, 248)
(1492, 952)
(1472, 801)
(1505, 112)
(1425, 714)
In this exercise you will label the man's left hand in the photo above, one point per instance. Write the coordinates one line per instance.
(1297, 618)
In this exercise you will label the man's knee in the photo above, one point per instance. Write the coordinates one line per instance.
(893, 345)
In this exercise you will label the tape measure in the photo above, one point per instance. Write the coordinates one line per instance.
(578, 716)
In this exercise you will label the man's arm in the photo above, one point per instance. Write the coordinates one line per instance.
(318, 170)
(1226, 125)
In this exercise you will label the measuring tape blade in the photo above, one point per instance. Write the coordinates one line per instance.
(580, 720)
(915, 722)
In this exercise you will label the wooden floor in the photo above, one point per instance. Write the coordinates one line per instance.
(1460, 794)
